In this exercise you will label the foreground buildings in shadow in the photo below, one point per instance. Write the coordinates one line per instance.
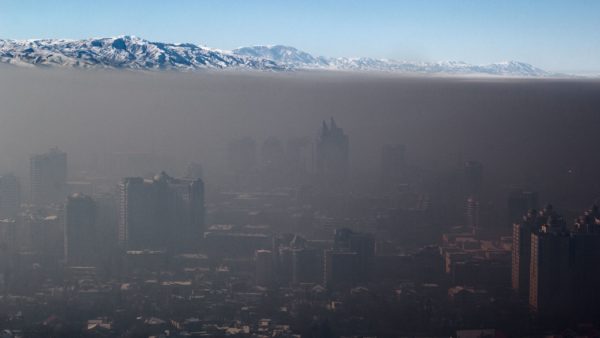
(555, 265)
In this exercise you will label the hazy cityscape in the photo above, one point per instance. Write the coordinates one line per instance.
(322, 233)
(152, 188)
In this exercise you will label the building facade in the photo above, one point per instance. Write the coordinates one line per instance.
(161, 213)
(48, 173)
(80, 231)
(10, 196)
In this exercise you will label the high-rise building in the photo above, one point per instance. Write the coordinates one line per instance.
(44, 234)
(332, 155)
(135, 224)
(107, 217)
(306, 266)
(472, 212)
(585, 251)
(340, 268)
(521, 256)
(80, 230)
(8, 237)
(48, 177)
(285, 265)
(555, 267)
(521, 248)
(10, 196)
(550, 287)
(363, 245)
(184, 199)
(263, 260)
(392, 165)
(162, 213)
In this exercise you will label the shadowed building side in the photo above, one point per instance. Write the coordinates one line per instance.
(81, 238)
(162, 213)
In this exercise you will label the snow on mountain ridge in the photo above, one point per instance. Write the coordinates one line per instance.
(281, 54)
(301, 60)
(131, 52)
(124, 52)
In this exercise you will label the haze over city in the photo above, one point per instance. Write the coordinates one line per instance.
(301, 169)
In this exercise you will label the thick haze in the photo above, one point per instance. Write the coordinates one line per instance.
(538, 133)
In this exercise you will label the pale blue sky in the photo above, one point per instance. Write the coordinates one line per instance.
(554, 35)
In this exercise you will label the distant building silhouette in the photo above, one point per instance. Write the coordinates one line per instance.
(80, 230)
(306, 266)
(162, 213)
(472, 212)
(48, 177)
(263, 259)
(10, 196)
(340, 268)
(45, 235)
(363, 245)
(332, 155)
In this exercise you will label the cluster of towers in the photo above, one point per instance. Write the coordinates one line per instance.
(291, 162)
(555, 265)
(163, 213)
(294, 260)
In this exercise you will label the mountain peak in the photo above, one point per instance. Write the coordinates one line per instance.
(132, 52)
(129, 52)
(279, 53)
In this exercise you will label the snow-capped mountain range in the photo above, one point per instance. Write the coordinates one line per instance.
(294, 58)
(128, 52)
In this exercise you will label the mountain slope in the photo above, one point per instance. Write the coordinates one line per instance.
(294, 58)
(128, 52)
(124, 52)
(283, 55)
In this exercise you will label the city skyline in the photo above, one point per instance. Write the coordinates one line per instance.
(154, 189)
